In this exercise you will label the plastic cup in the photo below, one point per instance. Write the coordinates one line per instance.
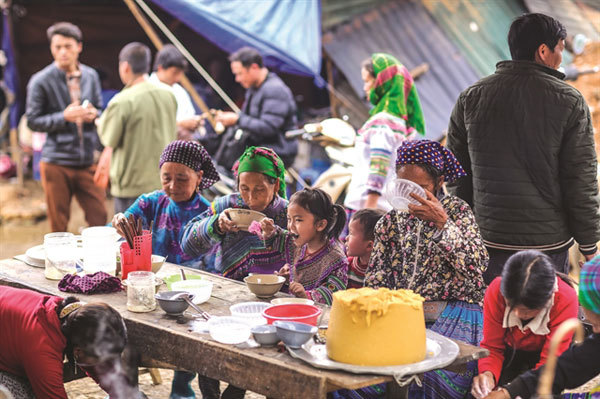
(61, 256)
(99, 250)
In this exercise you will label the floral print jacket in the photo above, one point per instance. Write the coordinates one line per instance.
(440, 265)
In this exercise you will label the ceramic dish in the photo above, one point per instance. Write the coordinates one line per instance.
(441, 352)
(202, 289)
(243, 217)
(264, 285)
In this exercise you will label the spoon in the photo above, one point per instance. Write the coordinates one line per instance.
(186, 297)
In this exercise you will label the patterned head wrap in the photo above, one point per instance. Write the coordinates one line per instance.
(394, 91)
(194, 156)
(262, 160)
(430, 153)
(589, 285)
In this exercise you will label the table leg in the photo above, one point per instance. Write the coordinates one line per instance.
(395, 391)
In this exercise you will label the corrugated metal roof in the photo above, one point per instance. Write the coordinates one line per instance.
(334, 12)
(406, 30)
(478, 27)
(568, 13)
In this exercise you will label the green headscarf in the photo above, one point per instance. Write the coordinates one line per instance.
(394, 91)
(589, 285)
(262, 160)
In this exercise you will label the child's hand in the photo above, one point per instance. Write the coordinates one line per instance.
(284, 272)
(297, 290)
(267, 226)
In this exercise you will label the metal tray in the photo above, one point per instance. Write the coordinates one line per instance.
(441, 352)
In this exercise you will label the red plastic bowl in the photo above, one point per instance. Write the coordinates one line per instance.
(308, 314)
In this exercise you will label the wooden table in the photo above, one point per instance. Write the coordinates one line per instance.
(166, 344)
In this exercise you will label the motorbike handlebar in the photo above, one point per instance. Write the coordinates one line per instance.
(290, 134)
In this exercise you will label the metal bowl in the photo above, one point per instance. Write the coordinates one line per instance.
(293, 333)
(173, 307)
(266, 335)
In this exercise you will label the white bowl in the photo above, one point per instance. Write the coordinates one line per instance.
(397, 193)
(250, 311)
(229, 330)
(244, 217)
(202, 289)
(281, 301)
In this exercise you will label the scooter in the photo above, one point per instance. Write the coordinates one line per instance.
(337, 138)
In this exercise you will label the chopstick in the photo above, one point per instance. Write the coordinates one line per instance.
(132, 227)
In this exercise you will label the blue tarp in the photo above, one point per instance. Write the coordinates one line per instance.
(286, 32)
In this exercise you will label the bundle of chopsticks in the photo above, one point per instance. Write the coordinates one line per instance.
(131, 227)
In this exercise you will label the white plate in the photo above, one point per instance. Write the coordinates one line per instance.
(441, 352)
(36, 256)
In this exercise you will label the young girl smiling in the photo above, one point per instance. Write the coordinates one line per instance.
(316, 264)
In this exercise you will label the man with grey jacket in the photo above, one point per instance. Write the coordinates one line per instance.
(63, 100)
(525, 138)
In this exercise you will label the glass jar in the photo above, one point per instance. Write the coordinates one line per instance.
(61, 255)
(140, 292)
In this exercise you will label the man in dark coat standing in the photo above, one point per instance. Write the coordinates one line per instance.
(269, 109)
(63, 101)
(525, 138)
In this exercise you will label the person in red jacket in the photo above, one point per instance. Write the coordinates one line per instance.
(521, 311)
(36, 333)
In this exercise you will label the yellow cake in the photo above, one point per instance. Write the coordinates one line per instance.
(381, 327)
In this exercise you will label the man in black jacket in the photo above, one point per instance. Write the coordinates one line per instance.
(269, 109)
(62, 100)
(525, 138)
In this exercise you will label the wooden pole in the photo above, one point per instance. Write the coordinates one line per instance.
(159, 45)
(332, 98)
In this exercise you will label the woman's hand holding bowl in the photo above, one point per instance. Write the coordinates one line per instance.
(430, 210)
(226, 225)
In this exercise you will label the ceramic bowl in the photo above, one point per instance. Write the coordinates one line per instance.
(264, 285)
(228, 330)
(250, 311)
(177, 277)
(281, 301)
(199, 287)
(266, 335)
(173, 307)
(157, 262)
(243, 217)
(294, 334)
(157, 283)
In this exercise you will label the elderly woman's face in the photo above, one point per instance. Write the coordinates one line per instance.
(179, 181)
(418, 175)
(256, 190)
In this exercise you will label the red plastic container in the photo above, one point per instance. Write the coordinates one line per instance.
(308, 314)
(140, 257)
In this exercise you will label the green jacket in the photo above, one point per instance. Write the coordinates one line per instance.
(525, 139)
(138, 124)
